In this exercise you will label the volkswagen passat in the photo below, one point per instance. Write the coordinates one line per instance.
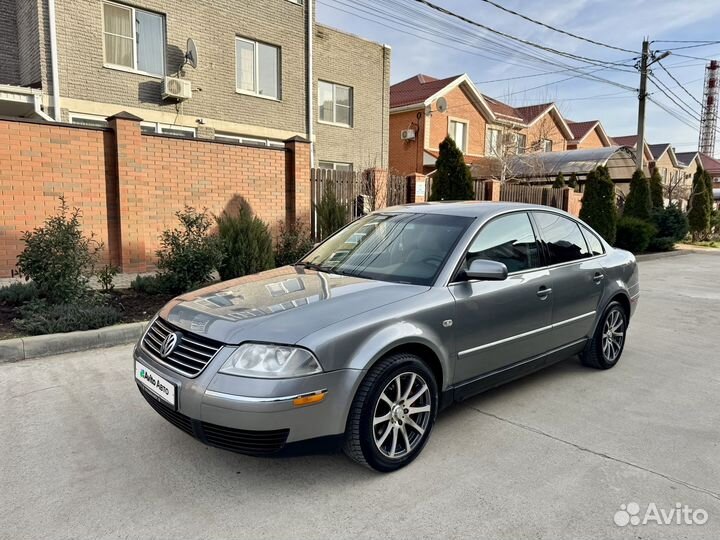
(394, 317)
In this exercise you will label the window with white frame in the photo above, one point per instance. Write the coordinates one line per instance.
(546, 145)
(91, 120)
(494, 142)
(257, 68)
(134, 39)
(458, 132)
(335, 166)
(335, 103)
(167, 129)
(521, 143)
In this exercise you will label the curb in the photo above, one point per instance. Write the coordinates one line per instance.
(675, 253)
(14, 350)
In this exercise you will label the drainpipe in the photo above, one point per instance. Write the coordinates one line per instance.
(310, 116)
(54, 61)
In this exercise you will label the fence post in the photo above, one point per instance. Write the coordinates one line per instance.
(416, 188)
(126, 238)
(297, 180)
(492, 190)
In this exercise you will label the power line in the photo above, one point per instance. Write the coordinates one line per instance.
(703, 44)
(675, 99)
(514, 38)
(680, 85)
(534, 21)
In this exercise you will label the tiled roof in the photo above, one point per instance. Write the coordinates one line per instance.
(626, 140)
(658, 150)
(685, 157)
(502, 109)
(710, 164)
(532, 112)
(580, 129)
(416, 89)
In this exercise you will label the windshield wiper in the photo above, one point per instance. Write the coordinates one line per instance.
(313, 266)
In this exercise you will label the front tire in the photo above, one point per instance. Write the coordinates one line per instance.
(606, 346)
(392, 414)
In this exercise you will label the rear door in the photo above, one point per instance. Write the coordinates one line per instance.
(500, 323)
(576, 277)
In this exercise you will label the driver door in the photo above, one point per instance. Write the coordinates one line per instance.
(500, 323)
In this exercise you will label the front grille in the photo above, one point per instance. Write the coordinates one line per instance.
(242, 441)
(245, 441)
(191, 354)
(177, 419)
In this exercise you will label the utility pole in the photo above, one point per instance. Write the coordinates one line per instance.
(646, 60)
(640, 148)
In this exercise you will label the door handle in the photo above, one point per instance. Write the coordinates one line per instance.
(598, 277)
(544, 292)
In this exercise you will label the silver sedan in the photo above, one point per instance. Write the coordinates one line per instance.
(394, 317)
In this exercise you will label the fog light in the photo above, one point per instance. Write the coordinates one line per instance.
(310, 399)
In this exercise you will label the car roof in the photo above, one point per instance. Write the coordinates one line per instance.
(475, 209)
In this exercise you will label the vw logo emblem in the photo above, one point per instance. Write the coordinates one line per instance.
(168, 345)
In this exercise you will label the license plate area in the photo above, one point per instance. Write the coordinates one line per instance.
(156, 385)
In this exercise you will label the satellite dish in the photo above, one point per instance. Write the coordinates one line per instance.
(441, 104)
(191, 56)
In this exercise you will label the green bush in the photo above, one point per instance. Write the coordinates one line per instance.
(573, 182)
(188, 254)
(40, 317)
(700, 207)
(661, 243)
(106, 277)
(559, 181)
(670, 222)
(638, 203)
(598, 203)
(452, 180)
(245, 244)
(292, 243)
(331, 213)
(157, 284)
(634, 234)
(656, 190)
(18, 294)
(58, 258)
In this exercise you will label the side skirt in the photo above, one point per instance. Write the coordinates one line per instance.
(504, 375)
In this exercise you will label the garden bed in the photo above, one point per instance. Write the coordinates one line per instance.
(133, 306)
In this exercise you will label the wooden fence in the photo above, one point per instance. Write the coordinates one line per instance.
(546, 196)
(359, 192)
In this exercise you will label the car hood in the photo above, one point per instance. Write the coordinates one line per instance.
(281, 305)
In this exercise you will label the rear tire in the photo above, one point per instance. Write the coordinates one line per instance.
(392, 414)
(608, 342)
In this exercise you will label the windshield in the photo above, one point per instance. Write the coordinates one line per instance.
(403, 247)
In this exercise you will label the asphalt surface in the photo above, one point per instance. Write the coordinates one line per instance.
(554, 455)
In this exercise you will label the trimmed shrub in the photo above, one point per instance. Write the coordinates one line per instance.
(656, 190)
(452, 180)
(573, 182)
(331, 213)
(188, 254)
(39, 317)
(292, 243)
(245, 244)
(18, 294)
(157, 284)
(638, 202)
(634, 234)
(661, 243)
(700, 207)
(670, 222)
(598, 204)
(559, 181)
(58, 257)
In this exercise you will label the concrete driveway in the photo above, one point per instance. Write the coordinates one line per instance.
(552, 456)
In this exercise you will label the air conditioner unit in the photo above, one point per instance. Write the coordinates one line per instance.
(407, 134)
(174, 88)
(511, 139)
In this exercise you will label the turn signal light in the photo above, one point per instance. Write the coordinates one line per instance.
(309, 399)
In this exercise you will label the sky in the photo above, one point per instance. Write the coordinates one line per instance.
(422, 42)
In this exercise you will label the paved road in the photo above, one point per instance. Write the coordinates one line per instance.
(553, 455)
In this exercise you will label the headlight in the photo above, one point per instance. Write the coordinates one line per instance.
(270, 361)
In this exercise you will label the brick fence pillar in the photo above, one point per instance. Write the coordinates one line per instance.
(297, 180)
(417, 188)
(131, 191)
(492, 190)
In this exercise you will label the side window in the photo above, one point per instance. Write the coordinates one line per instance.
(562, 237)
(594, 243)
(508, 239)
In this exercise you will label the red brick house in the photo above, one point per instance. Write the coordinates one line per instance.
(589, 134)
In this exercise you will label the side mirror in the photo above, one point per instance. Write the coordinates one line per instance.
(487, 270)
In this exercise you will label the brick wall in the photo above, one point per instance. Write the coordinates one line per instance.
(9, 67)
(406, 156)
(462, 109)
(130, 185)
(592, 140)
(364, 66)
(545, 127)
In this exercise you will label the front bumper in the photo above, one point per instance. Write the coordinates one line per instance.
(253, 416)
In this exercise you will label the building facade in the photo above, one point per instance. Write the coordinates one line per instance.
(250, 85)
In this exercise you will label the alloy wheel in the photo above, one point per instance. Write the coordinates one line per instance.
(613, 335)
(402, 414)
